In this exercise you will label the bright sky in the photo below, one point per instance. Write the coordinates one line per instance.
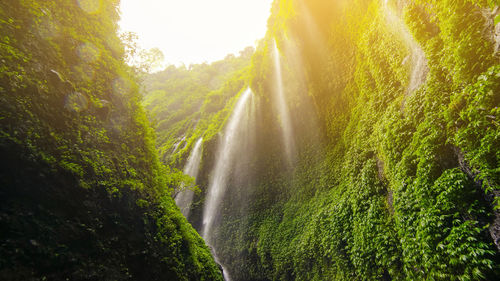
(196, 31)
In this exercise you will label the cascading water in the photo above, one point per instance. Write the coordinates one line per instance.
(284, 114)
(185, 197)
(419, 68)
(236, 133)
(177, 144)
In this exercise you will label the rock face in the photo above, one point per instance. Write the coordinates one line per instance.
(495, 225)
(491, 16)
(490, 197)
(497, 35)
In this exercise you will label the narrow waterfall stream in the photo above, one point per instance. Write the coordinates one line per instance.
(419, 67)
(185, 197)
(283, 111)
(235, 133)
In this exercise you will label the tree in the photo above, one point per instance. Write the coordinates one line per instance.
(141, 60)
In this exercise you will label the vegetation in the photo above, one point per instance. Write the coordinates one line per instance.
(188, 103)
(83, 195)
(395, 113)
(397, 168)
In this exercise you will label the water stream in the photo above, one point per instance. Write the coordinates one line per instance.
(283, 111)
(419, 67)
(236, 132)
(185, 197)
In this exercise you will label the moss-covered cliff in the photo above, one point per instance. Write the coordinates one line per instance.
(394, 106)
(83, 195)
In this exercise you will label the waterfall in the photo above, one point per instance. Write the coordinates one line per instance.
(235, 134)
(224, 162)
(419, 68)
(177, 144)
(185, 197)
(284, 114)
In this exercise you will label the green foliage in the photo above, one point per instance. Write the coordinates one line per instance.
(83, 195)
(400, 183)
(395, 113)
(472, 117)
(142, 61)
(193, 103)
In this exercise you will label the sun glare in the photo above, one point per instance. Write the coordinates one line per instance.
(196, 31)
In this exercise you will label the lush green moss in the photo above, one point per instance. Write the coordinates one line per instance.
(191, 103)
(398, 184)
(83, 194)
(396, 122)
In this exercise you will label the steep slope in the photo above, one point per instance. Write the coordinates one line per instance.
(409, 180)
(83, 195)
(184, 101)
(194, 103)
(395, 176)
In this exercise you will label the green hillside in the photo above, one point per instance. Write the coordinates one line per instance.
(359, 140)
(83, 195)
(395, 166)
